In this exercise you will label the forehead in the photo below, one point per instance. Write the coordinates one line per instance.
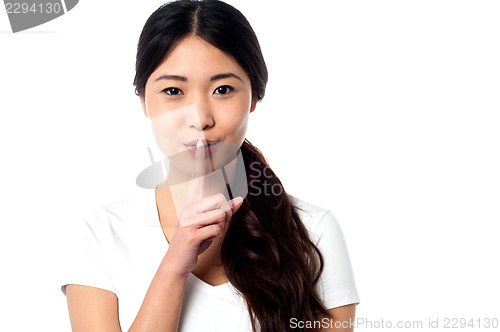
(194, 57)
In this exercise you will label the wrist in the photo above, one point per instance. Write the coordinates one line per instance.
(169, 269)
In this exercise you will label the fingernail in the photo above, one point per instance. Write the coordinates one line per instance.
(237, 201)
(199, 144)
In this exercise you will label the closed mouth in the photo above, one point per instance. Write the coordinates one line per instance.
(191, 147)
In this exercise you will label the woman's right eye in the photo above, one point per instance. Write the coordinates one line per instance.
(173, 91)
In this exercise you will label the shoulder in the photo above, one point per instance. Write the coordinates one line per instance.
(115, 220)
(317, 219)
(337, 286)
(134, 208)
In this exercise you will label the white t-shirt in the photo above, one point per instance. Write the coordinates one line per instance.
(119, 247)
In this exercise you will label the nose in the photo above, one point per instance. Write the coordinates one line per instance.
(203, 117)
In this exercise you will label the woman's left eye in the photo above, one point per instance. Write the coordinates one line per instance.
(224, 90)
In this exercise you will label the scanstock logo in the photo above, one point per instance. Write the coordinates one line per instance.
(26, 14)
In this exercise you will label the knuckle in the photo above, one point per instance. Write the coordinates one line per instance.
(220, 197)
(217, 230)
(191, 237)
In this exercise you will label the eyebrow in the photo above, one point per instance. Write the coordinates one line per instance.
(225, 75)
(172, 77)
(184, 79)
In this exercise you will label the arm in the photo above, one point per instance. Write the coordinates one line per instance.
(96, 309)
(161, 308)
(92, 309)
(344, 316)
(338, 277)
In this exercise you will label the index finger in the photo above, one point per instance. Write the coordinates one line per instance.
(195, 188)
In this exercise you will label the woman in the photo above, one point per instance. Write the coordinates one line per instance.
(258, 262)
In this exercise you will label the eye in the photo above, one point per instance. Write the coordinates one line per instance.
(173, 91)
(224, 90)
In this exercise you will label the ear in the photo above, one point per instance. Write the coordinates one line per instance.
(253, 105)
(144, 108)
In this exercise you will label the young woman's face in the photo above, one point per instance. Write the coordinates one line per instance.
(198, 92)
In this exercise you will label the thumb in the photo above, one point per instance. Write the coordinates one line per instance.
(236, 203)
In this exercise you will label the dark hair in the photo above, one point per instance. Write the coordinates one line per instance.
(266, 253)
(216, 22)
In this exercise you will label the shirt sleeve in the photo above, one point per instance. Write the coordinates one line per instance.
(337, 285)
(86, 258)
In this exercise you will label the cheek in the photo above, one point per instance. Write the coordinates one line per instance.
(166, 131)
(153, 106)
(241, 128)
(234, 124)
(234, 120)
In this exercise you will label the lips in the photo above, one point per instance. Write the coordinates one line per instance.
(205, 142)
(209, 145)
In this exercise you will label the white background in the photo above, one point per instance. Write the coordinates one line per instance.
(385, 112)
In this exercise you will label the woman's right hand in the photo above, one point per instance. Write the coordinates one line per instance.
(200, 221)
